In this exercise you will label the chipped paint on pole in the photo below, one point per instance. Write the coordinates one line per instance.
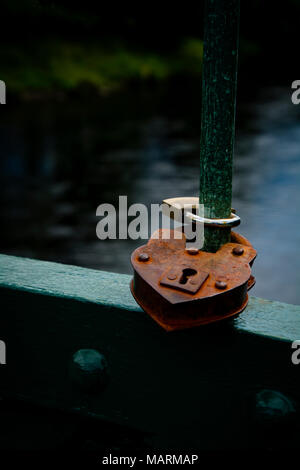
(218, 114)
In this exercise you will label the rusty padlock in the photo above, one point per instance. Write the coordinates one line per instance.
(182, 288)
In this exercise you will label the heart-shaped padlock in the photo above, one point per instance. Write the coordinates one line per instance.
(183, 288)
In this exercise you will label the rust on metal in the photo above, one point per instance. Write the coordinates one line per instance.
(144, 257)
(192, 251)
(220, 285)
(182, 291)
(184, 279)
(238, 250)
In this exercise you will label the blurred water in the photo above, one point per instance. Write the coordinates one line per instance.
(60, 160)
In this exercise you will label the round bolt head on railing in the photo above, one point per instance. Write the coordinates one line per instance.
(89, 369)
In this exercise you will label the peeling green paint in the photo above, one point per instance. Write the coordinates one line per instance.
(218, 114)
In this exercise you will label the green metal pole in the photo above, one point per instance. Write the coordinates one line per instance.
(218, 115)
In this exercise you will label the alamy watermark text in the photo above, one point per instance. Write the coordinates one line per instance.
(2, 352)
(2, 92)
(296, 354)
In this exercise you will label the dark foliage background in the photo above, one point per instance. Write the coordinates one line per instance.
(269, 33)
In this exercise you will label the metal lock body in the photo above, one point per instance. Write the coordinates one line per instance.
(183, 288)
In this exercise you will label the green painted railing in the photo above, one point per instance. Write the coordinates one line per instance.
(198, 388)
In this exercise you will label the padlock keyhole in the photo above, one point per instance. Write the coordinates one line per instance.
(186, 274)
